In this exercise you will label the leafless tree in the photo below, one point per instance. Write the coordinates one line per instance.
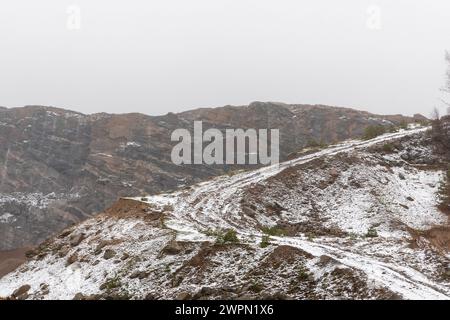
(446, 88)
(447, 80)
(435, 115)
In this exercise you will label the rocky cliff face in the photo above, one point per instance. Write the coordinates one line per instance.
(59, 167)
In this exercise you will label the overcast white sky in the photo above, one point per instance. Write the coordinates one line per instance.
(155, 56)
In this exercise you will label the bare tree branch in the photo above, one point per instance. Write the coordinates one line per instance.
(435, 114)
(447, 81)
(445, 102)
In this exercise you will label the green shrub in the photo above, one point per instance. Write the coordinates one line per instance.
(388, 147)
(273, 231)
(374, 131)
(232, 173)
(303, 274)
(265, 241)
(312, 143)
(111, 283)
(372, 233)
(392, 129)
(403, 125)
(256, 287)
(229, 236)
(353, 236)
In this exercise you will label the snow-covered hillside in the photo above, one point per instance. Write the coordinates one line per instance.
(355, 220)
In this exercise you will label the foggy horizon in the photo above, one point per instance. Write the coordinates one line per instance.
(156, 57)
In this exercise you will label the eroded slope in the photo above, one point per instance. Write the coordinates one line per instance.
(356, 220)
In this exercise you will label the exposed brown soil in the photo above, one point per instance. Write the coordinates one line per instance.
(127, 208)
(11, 259)
(439, 237)
(284, 254)
(201, 259)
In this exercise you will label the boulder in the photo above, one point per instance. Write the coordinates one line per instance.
(76, 239)
(21, 291)
(172, 248)
(73, 258)
(183, 296)
(109, 253)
